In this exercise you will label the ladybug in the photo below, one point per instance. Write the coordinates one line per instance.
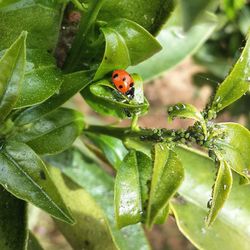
(124, 82)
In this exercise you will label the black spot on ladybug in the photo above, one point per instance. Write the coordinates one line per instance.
(120, 86)
(131, 84)
(116, 75)
(124, 79)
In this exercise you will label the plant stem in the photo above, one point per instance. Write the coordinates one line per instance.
(80, 41)
(134, 125)
(78, 5)
(143, 134)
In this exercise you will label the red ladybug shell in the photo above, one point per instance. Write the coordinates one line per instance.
(122, 81)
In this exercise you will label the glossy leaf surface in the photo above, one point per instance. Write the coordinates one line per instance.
(123, 47)
(112, 148)
(195, 192)
(72, 84)
(131, 188)
(172, 38)
(42, 79)
(168, 174)
(104, 98)
(221, 191)
(85, 172)
(54, 132)
(235, 147)
(186, 111)
(32, 16)
(13, 222)
(151, 16)
(236, 83)
(12, 65)
(24, 175)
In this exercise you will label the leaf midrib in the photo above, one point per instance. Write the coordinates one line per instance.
(9, 158)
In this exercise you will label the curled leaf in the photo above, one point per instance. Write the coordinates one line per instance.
(168, 175)
(104, 98)
(187, 111)
(236, 83)
(221, 191)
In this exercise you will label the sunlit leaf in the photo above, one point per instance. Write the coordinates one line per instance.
(33, 16)
(12, 65)
(86, 173)
(167, 176)
(24, 175)
(231, 228)
(234, 147)
(187, 111)
(221, 191)
(72, 83)
(236, 83)
(52, 133)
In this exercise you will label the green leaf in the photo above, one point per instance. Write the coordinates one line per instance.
(221, 191)
(112, 148)
(104, 98)
(151, 16)
(193, 10)
(33, 16)
(72, 84)
(116, 55)
(168, 174)
(236, 83)
(131, 188)
(231, 228)
(53, 133)
(172, 38)
(234, 148)
(85, 172)
(13, 222)
(231, 7)
(33, 243)
(4, 3)
(12, 66)
(90, 220)
(123, 46)
(128, 204)
(41, 80)
(24, 175)
(187, 111)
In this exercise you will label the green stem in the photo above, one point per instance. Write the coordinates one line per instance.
(78, 5)
(87, 21)
(134, 125)
(143, 134)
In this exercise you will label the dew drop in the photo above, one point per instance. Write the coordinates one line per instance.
(203, 230)
(224, 187)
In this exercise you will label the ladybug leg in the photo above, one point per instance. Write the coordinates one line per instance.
(131, 93)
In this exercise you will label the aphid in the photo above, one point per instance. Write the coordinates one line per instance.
(123, 82)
